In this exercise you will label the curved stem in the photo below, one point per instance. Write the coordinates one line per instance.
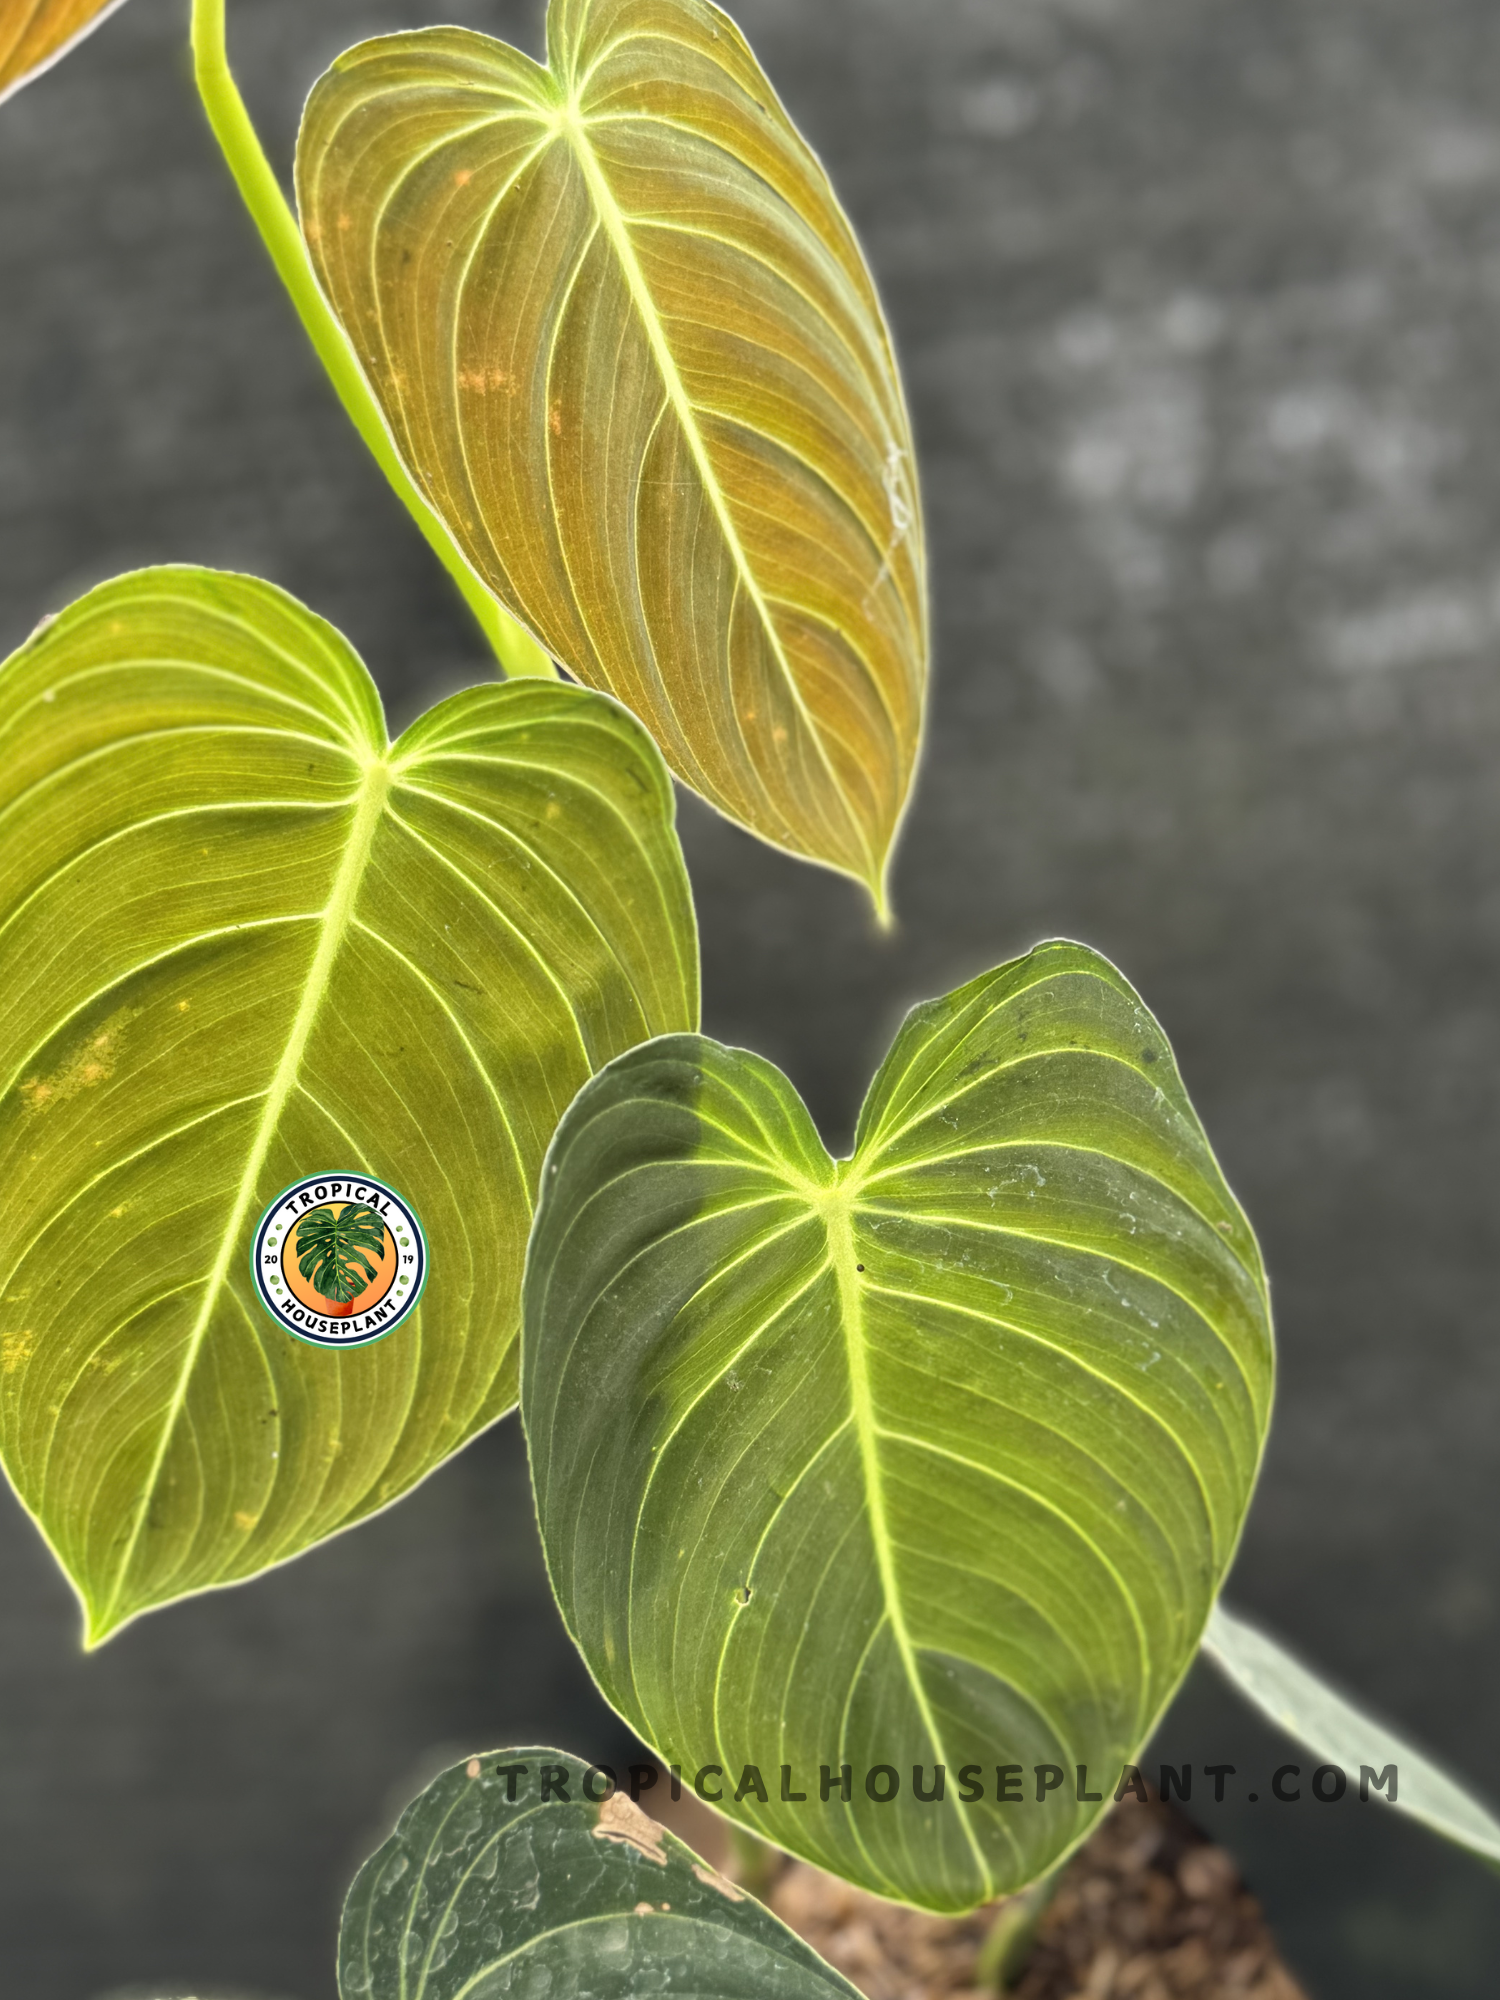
(1008, 1943)
(514, 648)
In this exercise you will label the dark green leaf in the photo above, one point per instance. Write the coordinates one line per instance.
(933, 1456)
(485, 1890)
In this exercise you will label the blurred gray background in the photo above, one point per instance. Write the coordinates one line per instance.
(1199, 302)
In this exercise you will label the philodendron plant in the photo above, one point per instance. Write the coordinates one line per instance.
(869, 1488)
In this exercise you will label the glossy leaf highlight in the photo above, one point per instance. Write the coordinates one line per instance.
(487, 1888)
(624, 335)
(243, 938)
(935, 1456)
(34, 34)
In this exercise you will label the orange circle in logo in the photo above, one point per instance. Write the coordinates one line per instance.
(385, 1266)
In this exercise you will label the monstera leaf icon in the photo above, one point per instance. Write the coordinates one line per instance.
(331, 1251)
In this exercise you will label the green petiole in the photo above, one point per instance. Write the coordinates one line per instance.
(514, 648)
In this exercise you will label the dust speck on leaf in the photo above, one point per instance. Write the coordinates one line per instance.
(623, 1822)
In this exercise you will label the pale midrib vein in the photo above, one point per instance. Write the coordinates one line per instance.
(114, 1167)
(840, 1225)
(1077, 1360)
(613, 220)
(1076, 1528)
(337, 915)
(199, 809)
(173, 950)
(876, 376)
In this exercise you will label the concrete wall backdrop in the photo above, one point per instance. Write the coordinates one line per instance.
(1199, 302)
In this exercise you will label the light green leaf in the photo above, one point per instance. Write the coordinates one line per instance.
(487, 1888)
(244, 939)
(34, 34)
(624, 336)
(936, 1455)
(1305, 1706)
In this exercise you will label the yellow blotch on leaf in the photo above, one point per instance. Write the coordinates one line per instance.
(16, 1350)
(93, 1062)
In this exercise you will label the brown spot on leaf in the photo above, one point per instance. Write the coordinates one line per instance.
(712, 1879)
(622, 1821)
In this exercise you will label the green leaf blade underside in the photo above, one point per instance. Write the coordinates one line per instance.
(968, 1504)
(244, 939)
(625, 337)
(1333, 1727)
(34, 34)
(480, 1893)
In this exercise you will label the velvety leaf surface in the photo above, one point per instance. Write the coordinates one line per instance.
(35, 33)
(933, 1456)
(626, 339)
(244, 939)
(1333, 1727)
(485, 1889)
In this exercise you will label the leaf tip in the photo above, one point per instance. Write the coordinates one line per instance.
(98, 1628)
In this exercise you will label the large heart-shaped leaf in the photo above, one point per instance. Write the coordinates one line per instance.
(625, 338)
(520, 1872)
(932, 1456)
(244, 939)
(34, 34)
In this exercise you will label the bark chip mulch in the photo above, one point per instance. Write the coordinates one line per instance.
(1148, 1910)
